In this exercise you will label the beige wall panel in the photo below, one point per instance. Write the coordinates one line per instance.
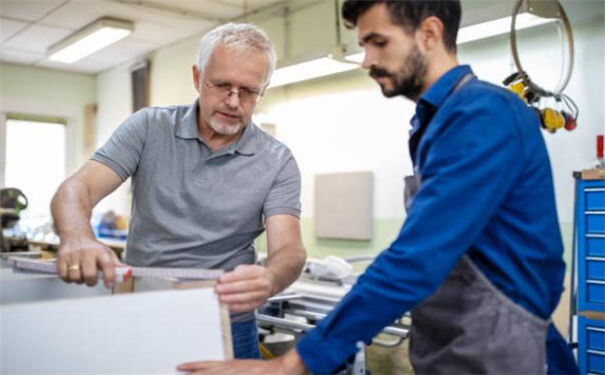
(344, 205)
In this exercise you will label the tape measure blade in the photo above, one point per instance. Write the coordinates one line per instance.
(177, 273)
(122, 273)
(34, 265)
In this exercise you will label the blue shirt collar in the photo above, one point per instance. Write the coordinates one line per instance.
(436, 94)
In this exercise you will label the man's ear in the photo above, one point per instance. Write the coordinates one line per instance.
(196, 77)
(430, 34)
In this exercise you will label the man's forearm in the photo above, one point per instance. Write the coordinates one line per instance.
(71, 210)
(285, 265)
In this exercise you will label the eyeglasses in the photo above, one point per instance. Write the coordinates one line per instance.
(245, 94)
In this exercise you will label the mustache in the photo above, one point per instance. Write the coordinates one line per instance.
(378, 72)
(230, 113)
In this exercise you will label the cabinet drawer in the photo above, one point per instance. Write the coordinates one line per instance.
(595, 221)
(595, 268)
(595, 293)
(595, 337)
(595, 199)
(591, 346)
(595, 245)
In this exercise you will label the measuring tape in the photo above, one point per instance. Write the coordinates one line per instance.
(122, 273)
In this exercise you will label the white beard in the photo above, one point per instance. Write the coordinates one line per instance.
(225, 129)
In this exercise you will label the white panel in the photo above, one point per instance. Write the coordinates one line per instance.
(19, 56)
(37, 38)
(29, 10)
(78, 13)
(344, 205)
(168, 31)
(211, 8)
(147, 333)
(312, 29)
(256, 4)
(477, 11)
(9, 27)
(23, 287)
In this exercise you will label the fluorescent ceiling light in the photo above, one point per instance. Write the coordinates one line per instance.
(307, 70)
(90, 39)
(499, 26)
(483, 30)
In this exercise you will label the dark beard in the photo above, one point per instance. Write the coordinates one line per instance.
(409, 80)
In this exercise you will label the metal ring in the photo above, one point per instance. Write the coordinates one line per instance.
(74, 267)
(513, 39)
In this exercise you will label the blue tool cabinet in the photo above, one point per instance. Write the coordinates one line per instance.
(589, 254)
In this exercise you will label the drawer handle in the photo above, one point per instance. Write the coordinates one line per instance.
(602, 330)
(597, 352)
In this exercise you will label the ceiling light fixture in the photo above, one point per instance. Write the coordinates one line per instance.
(499, 26)
(483, 30)
(90, 39)
(316, 68)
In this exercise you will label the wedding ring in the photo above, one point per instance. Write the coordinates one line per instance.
(74, 267)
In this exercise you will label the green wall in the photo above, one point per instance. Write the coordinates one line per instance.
(385, 231)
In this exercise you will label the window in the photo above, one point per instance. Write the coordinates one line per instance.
(35, 164)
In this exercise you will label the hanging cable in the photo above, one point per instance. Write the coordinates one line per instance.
(533, 94)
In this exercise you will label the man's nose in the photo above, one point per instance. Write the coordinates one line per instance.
(233, 99)
(368, 61)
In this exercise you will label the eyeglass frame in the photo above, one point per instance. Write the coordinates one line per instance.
(226, 90)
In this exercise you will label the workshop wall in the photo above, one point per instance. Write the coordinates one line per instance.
(114, 105)
(43, 92)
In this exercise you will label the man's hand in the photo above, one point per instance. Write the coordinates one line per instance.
(288, 364)
(245, 288)
(79, 261)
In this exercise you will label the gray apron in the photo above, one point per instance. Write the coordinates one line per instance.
(469, 327)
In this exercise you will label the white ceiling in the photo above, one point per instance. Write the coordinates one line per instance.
(29, 27)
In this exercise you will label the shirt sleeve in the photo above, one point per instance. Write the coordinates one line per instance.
(122, 151)
(466, 171)
(284, 195)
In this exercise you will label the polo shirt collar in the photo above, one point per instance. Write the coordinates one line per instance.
(246, 144)
(186, 128)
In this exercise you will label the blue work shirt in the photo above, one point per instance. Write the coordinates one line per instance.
(486, 191)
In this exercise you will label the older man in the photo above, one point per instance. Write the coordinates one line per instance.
(478, 260)
(206, 182)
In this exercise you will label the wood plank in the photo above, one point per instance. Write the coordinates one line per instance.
(593, 174)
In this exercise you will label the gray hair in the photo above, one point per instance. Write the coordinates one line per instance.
(240, 36)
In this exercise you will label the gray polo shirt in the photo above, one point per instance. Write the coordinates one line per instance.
(192, 207)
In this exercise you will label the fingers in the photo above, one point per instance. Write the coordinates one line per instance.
(244, 307)
(245, 288)
(193, 366)
(79, 261)
(74, 272)
(243, 297)
(108, 266)
(89, 269)
(62, 269)
(238, 367)
(243, 272)
(242, 286)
